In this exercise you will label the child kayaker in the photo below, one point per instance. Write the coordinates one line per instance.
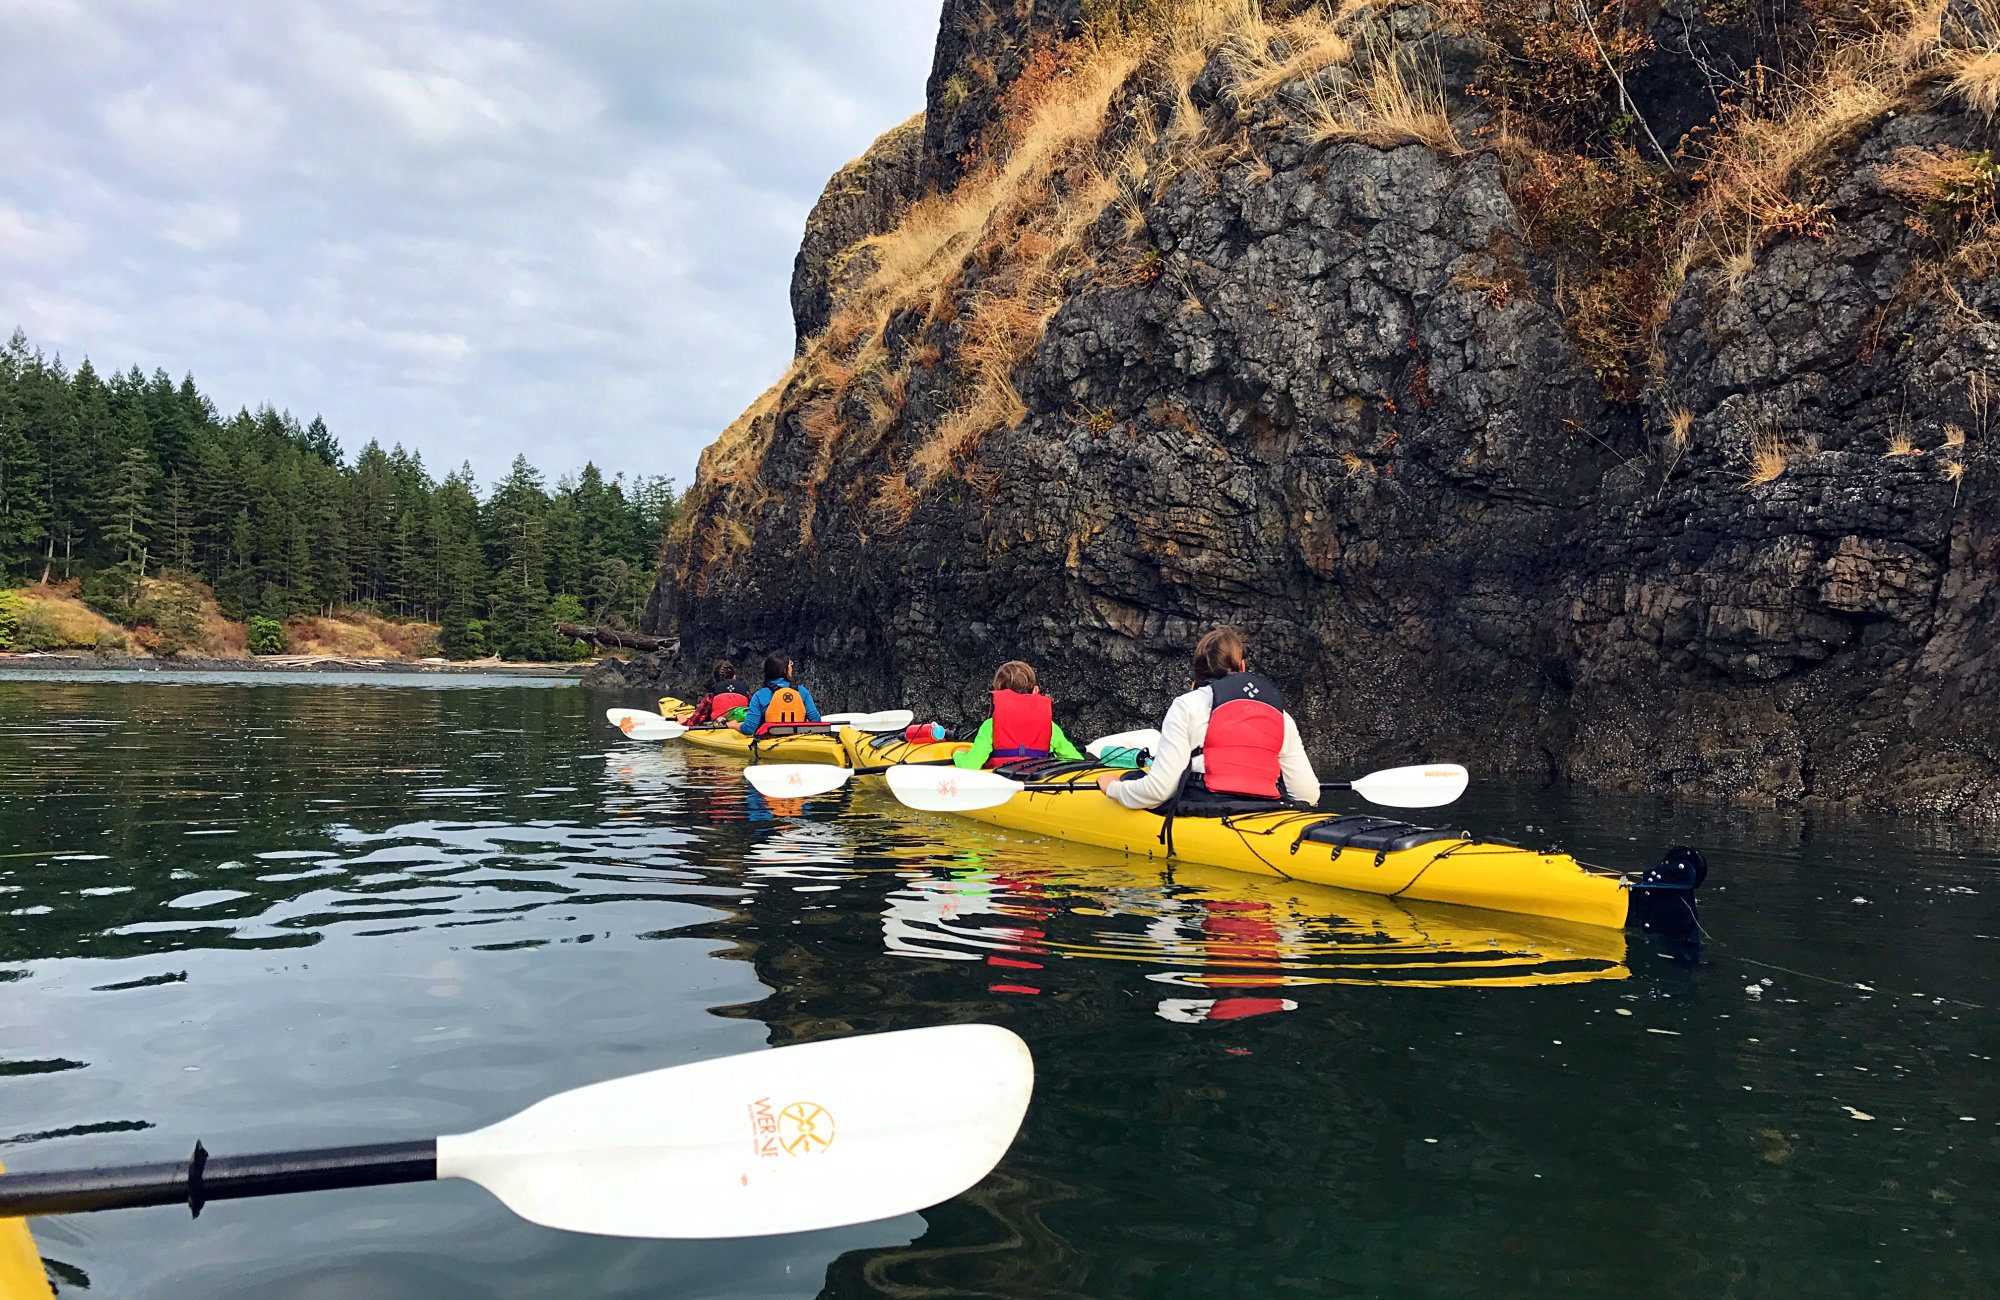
(1022, 726)
(778, 703)
(1227, 741)
(725, 692)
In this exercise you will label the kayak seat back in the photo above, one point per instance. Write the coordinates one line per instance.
(1374, 834)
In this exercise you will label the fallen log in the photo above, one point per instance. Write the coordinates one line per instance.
(610, 636)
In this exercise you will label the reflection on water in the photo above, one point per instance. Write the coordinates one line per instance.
(282, 916)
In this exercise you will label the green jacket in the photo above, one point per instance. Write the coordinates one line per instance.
(982, 747)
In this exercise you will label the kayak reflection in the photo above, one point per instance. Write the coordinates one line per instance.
(1221, 941)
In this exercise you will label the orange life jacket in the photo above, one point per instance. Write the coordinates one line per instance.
(787, 707)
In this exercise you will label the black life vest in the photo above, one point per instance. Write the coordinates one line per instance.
(1246, 731)
(1023, 726)
(724, 696)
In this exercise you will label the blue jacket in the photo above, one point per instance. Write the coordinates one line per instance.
(762, 701)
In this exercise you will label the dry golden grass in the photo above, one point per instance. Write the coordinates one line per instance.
(1398, 101)
(1950, 177)
(894, 501)
(1309, 42)
(1768, 455)
(1680, 427)
(62, 622)
(1954, 435)
(934, 239)
(959, 434)
(358, 634)
(1902, 444)
(1975, 79)
(1751, 178)
(820, 421)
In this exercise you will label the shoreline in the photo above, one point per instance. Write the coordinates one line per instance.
(285, 663)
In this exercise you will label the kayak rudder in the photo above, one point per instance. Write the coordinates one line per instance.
(1663, 900)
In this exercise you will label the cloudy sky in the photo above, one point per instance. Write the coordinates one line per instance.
(479, 227)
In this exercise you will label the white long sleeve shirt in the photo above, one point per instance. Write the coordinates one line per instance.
(1182, 733)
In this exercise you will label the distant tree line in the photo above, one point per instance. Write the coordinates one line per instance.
(111, 481)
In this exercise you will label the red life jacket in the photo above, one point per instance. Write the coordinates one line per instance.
(1023, 726)
(722, 697)
(1246, 729)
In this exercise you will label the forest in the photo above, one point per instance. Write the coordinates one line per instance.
(114, 483)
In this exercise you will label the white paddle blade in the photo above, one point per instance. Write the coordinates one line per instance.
(1426, 786)
(888, 720)
(637, 724)
(1148, 739)
(949, 789)
(791, 1140)
(795, 780)
(630, 720)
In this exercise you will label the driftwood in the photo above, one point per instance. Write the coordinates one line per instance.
(607, 636)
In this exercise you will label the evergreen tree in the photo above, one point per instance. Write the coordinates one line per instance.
(321, 444)
(24, 512)
(129, 518)
(176, 526)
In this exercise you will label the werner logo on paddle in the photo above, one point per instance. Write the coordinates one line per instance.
(799, 1129)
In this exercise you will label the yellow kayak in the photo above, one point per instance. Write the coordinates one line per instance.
(22, 1276)
(1371, 855)
(803, 747)
(867, 751)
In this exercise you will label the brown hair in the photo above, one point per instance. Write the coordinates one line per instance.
(724, 671)
(1014, 676)
(777, 664)
(1218, 654)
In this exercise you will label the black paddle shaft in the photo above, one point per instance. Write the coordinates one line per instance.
(202, 1178)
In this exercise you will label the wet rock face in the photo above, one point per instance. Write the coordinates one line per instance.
(864, 198)
(1321, 395)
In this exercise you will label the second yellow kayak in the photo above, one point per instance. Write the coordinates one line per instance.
(868, 751)
(1372, 855)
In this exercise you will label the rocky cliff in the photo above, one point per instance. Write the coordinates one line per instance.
(1605, 402)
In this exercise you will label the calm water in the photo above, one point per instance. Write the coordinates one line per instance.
(295, 914)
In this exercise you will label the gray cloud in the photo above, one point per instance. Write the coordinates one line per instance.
(477, 228)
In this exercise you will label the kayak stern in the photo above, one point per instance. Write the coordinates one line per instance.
(1663, 897)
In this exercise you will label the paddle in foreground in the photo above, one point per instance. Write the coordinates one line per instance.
(931, 789)
(790, 1140)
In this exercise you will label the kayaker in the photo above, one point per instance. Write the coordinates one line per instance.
(778, 703)
(725, 692)
(1226, 743)
(1023, 724)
